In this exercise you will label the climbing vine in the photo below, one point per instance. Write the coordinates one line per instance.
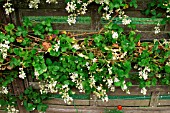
(100, 63)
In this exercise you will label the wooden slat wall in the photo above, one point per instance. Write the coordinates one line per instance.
(147, 31)
(93, 105)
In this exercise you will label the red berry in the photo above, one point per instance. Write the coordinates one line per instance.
(119, 107)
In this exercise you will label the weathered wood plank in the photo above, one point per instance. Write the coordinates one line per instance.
(92, 109)
(18, 88)
(61, 102)
(123, 103)
(164, 103)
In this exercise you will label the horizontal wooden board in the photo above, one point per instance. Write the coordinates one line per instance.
(61, 102)
(123, 103)
(93, 109)
(164, 102)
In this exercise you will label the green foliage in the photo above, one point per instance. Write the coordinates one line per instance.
(33, 100)
(60, 62)
(158, 9)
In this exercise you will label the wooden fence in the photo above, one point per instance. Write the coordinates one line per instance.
(157, 98)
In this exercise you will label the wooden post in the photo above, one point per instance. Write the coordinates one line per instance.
(154, 99)
(93, 100)
(18, 87)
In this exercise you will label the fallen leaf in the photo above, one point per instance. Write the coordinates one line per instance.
(46, 45)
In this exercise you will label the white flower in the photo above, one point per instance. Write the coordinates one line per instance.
(70, 7)
(124, 87)
(4, 48)
(51, 1)
(106, 8)
(128, 92)
(114, 35)
(99, 88)
(144, 73)
(76, 46)
(126, 21)
(157, 29)
(81, 55)
(71, 19)
(112, 89)
(94, 60)
(116, 79)
(79, 1)
(143, 91)
(22, 73)
(7, 42)
(109, 82)
(8, 8)
(110, 70)
(74, 76)
(12, 109)
(34, 4)
(106, 16)
(4, 90)
(56, 47)
(105, 99)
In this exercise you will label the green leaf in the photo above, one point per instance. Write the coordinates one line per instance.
(91, 55)
(129, 84)
(93, 67)
(42, 107)
(147, 12)
(48, 61)
(154, 82)
(167, 69)
(27, 22)
(100, 8)
(117, 83)
(9, 27)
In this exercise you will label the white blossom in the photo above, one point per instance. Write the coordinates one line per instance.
(157, 29)
(109, 82)
(71, 19)
(34, 4)
(112, 89)
(105, 99)
(51, 1)
(74, 76)
(114, 35)
(99, 88)
(116, 79)
(4, 90)
(106, 8)
(36, 74)
(71, 6)
(144, 73)
(22, 73)
(124, 87)
(128, 92)
(110, 70)
(143, 91)
(76, 46)
(12, 109)
(8, 8)
(56, 47)
(79, 1)
(4, 48)
(94, 60)
(126, 21)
